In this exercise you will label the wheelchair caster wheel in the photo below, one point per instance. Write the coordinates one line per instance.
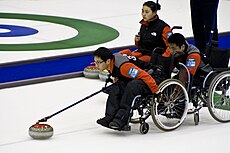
(144, 128)
(196, 118)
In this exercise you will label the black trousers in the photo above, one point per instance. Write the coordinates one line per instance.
(120, 99)
(202, 15)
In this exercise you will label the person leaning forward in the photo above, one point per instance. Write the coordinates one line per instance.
(132, 80)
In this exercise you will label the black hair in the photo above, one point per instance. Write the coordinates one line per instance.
(104, 53)
(154, 6)
(177, 39)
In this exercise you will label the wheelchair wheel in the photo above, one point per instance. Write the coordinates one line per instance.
(196, 118)
(219, 97)
(170, 112)
(144, 128)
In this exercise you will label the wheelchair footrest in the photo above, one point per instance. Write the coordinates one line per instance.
(135, 120)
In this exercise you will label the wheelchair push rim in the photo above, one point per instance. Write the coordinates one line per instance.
(170, 113)
(219, 97)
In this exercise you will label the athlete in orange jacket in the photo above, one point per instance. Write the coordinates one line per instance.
(185, 53)
(132, 80)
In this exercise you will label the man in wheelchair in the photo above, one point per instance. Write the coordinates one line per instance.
(209, 82)
(132, 80)
(179, 51)
(170, 112)
(184, 53)
(187, 54)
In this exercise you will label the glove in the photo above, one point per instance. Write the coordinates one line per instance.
(109, 80)
(105, 90)
(159, 97)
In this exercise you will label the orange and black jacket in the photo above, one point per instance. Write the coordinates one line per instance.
(153, 34)
(127, 68)
(191, 58)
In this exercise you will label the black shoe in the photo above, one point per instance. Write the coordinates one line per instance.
(114, 125)
(104, 121)
(126, 128)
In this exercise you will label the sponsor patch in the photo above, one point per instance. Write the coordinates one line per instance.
(168, 34)
(191, 62)
(154, 34)
(133, 72)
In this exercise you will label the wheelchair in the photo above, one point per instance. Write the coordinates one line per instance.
(211, 89)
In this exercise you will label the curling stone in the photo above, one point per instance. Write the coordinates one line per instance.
(103, 75)
(41, 131)
(91, 72)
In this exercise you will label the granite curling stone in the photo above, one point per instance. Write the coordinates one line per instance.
(41, 131)
(91, 72)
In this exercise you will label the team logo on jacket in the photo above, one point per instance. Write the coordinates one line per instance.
(133, 72)
(191, 62)
(153, 33)
(168, 34)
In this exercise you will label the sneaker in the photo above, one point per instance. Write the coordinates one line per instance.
(126, 128)
(114, 125)
(104, 121)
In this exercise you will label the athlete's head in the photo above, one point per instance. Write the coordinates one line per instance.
(177, 44)
(102, 58)
(149, 10)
